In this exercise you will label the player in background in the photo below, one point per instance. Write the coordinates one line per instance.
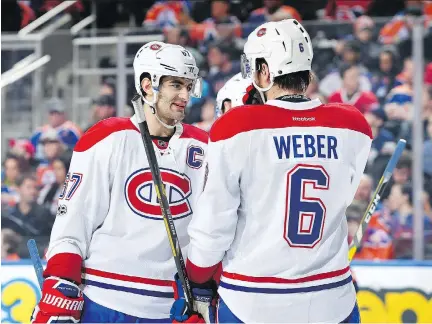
(109, 234)
(236, 92)
(280, 176)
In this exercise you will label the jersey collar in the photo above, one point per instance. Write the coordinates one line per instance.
(177, 133)
(305, 105)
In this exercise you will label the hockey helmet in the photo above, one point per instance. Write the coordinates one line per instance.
(234, 90)
(285, 45)
(161, 59)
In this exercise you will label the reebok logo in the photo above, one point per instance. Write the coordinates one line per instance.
(303, 119)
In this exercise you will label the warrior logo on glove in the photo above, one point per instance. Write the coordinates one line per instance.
(141, 195)
(62, 301)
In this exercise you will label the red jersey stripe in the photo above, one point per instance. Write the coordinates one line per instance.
(116, 276)
(320, 276)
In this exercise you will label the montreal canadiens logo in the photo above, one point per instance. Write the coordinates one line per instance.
(261, 32)
(142, 199)
(155, 47)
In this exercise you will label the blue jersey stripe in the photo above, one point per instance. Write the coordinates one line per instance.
(286, 290)
(143, 292)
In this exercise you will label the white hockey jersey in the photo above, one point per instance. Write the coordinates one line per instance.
(280, 177)
(109, 216)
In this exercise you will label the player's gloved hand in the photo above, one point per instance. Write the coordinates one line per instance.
(204, 304)
(62, 302)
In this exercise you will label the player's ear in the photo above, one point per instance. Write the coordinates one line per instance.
(265, 71)
(263, 75)
(264, 68)
(146, 85)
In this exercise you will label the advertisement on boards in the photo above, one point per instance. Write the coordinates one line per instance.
(19, 291)
(390, 292)
(394, 291)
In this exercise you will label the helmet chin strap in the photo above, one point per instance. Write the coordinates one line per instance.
(163, 124)
(262, 90)
(154, 112)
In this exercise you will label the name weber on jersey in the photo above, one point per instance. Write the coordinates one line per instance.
(306, 146)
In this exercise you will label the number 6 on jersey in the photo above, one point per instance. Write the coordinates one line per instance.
(305, 215)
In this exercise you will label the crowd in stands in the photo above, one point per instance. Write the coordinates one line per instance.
(370, 67)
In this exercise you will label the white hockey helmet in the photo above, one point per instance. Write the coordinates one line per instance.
(161, 59)
(285, 45)
(234, 90)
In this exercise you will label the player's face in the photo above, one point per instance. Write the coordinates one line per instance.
(174, 94)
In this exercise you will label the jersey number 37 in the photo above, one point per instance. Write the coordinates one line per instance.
(70, 185)
(304, 215)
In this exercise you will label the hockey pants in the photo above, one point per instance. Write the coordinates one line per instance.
(224, 314)
(95, 313)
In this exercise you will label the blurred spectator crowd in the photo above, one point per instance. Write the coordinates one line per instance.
(365, 63)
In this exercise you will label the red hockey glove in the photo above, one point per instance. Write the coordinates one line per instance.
(61, 300)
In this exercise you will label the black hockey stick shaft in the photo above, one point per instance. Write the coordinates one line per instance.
(163, 201)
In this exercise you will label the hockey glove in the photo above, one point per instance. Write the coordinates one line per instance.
(204, 304)
(62, 301)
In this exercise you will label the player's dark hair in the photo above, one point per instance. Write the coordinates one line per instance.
(142, 77)
(147, 75)
(296, 82)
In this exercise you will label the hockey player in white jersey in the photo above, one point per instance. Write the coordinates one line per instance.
(109, 259)
(238, 91)
(280, 176)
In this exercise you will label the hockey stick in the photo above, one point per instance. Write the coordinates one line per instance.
(36, 260)
(382, 184)
(163, 201)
